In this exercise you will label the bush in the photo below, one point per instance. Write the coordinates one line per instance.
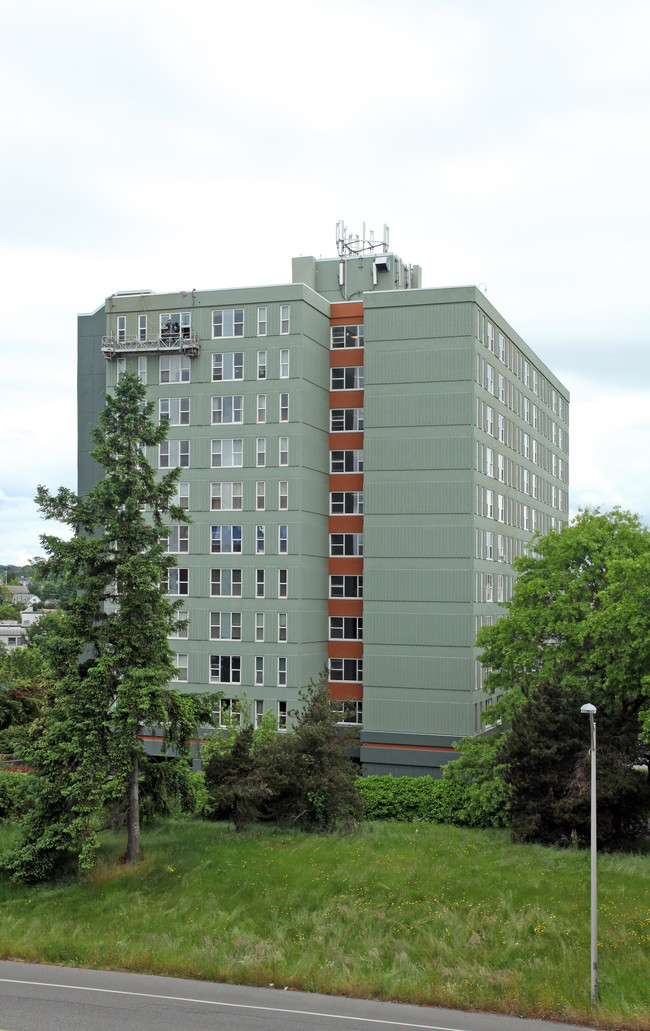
(16, 794)
(472, 792)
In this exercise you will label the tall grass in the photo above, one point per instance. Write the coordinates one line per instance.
(435, 915)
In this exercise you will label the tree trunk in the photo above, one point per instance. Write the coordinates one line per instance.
(133, 839)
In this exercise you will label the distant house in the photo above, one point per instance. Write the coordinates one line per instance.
(21, 596)
(28, 618)
(12, 635)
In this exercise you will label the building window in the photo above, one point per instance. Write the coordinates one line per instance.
(489, 461)
(174, 368)
(489, 544)
(345, 419)
(346, 336)
(121, 368)
(346, 544)
(489, 420)
(142, 369)
(502, 347)
(350, 670)
(490, 337)
(283, 540)
(349, 502)
(350, 377)
(500, 592)
(225, 540)
(259, 626)
(501, 508)
(142, 328)
(260, 495)
(228, 366)
(227, 409)
(501, 468)
(261, 364)
(178, 581)
(284, 319)
(174, 453)
(284, 408)
(282, 627)
(501, 548)
(283, 451)
(349, 711)
(178, 539)
(346, 461)
(283, 494)
(225, 583)
(174, 325)
(229, 708)
(260, 452)
(259, 671)
(489, 379)
(176, 410)
(259, 583)
(181, 665)
(228, 323)
(180, 632)
(182, 497)
(261, 407)
(502, 388)
(226, 496)
(260, 534)
(262, 321)
(345, 628)
(526, 445)
(489, 504)
(121, 329)
(282, 671)
(259, 709)
(225, 669)
(227, 454)
(284, 363)
(489, 587)
(225, 626)
(283, 583)
(346, 586)
(282, 715)
(502, 428)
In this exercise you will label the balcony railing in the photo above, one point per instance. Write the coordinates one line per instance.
(166, 343)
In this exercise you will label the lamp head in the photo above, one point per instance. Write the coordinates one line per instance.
(588, 709)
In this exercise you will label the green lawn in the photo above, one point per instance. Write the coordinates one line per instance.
(435, 915)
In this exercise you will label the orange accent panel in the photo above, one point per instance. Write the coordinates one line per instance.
(345, 649)
(341, 356)
(346, 481)
(345, 607)
(342, 312)
(351, 440)
(346, 398)
(343, 691)
(410, 748)
(347, 565)
(346, 524)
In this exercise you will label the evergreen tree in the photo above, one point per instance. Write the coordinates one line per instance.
(108, 649)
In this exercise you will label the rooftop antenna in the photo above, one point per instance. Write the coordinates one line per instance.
(348, 245)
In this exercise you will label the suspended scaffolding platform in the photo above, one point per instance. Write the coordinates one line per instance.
(164, 344)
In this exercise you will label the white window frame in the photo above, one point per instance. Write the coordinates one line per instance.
(227, 453)
(227, 366)
(227, 409)
(226, 496)
(262, 321)
(285, 319)
(229, 582)
(284, 363)
(174, 454)
(261, 408)
(227, 322)
(225, 626)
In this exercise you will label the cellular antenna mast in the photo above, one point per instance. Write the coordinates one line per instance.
(348, 245)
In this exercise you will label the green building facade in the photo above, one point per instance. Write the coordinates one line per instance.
(361, 459)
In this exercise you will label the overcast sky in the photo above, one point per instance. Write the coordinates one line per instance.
(167, 145)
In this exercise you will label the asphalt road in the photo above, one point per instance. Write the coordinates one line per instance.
(41, 998)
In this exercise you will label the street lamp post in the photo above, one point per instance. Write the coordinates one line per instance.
(590, 710)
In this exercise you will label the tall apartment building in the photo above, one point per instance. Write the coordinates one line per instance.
(361, 459)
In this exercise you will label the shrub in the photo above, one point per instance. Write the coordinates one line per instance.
(16, 794)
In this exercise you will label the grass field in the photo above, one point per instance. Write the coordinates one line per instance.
(434, 915)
